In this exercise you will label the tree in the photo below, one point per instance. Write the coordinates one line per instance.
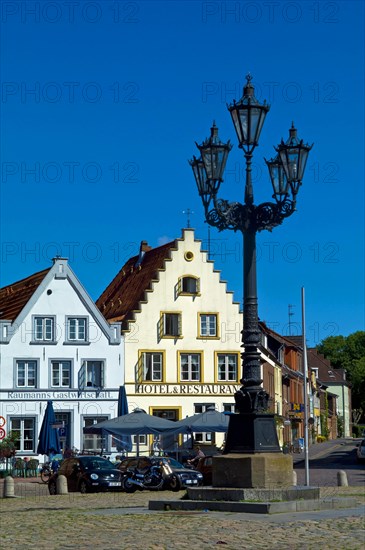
(348, 352)
(7, 447)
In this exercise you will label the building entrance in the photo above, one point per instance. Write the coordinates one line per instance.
(166, 443)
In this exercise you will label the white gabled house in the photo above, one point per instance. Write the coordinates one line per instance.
(56, 345)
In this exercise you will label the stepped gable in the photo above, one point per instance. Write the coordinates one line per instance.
(14, 297)
(128, 288)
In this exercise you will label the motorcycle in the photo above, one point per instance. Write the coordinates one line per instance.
(155, 478)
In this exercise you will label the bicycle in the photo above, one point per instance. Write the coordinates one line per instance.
(46, 472)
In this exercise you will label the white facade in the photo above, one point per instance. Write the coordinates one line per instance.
(343, 393)
(59, 348)
(182, 350)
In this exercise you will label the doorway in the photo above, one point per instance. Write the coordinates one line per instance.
(166, 443)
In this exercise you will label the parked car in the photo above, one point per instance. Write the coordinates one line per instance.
(87, 474)
(187, 477)
(360, 451)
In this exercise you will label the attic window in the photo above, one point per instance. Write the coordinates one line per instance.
(331, 375)
(189, 256)
(189, 285)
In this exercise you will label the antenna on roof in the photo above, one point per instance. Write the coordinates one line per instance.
(188, 212)
(290, 315)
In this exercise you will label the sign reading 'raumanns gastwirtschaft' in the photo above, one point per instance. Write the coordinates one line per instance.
(41, 395)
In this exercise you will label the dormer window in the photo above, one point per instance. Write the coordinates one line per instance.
(189, 285)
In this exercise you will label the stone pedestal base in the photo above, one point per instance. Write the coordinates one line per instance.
(261, 470)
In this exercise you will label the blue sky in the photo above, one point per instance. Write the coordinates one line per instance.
(101, 103)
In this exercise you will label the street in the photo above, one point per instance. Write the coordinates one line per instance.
(326, 459)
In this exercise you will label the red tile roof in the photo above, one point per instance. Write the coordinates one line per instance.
(326, 373)
(14, 297)
(289, 341)
(127, 290)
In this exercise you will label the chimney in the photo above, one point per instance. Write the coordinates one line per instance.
(144, 247)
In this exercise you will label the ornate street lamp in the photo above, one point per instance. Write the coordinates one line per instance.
(253, 429)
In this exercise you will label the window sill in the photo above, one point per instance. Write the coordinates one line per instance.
(208, 338)
(151, 382)
(76, 343)
(169, 337)
(43, 343)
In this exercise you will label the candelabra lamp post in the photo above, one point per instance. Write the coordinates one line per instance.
(252, 431)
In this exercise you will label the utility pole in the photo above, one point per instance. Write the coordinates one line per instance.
(305, 390)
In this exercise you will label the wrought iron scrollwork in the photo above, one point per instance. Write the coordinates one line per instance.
(234, 215)
(268, 215)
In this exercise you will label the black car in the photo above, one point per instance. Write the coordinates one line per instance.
(187, 477)
(87, 474)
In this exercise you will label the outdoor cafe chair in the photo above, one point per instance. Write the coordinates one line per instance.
(19, 468)
(31, 469)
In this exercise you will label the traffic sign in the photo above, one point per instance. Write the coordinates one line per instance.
(62, 431)
(2, 421)
(2, 433)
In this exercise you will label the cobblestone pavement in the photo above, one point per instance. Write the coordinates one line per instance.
(122, 521)
(114, 521)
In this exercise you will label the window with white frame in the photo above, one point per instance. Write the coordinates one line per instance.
(93, 442)
(152, 366)
(44, 329)
(139, 439)
(26, 374)
(203, 437)
(227, 367)
(61, 374)
(24, 428)
(171, 324)
(77, 329)
(229, 407)
(208, 325)
(190, 367)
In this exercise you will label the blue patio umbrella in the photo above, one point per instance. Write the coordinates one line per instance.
(49, 440)
(207, 421)
(124, 442)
